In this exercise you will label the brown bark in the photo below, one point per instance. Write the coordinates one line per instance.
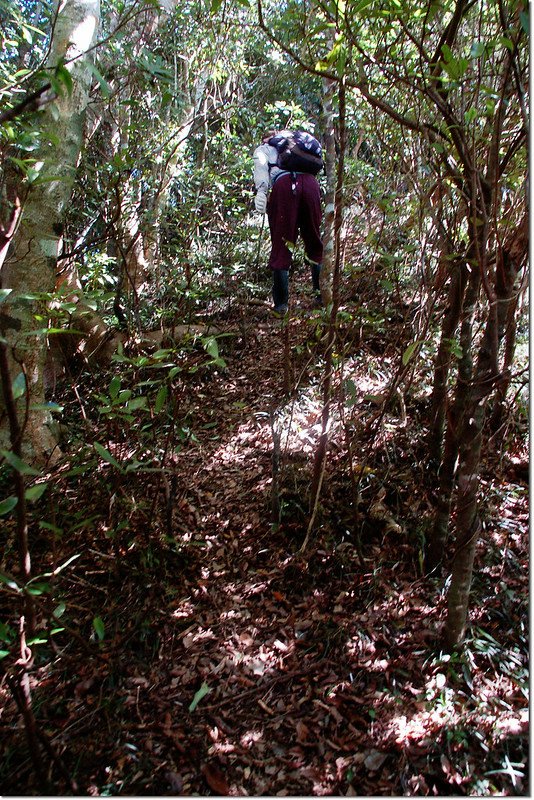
(440, 530)
(487, 375)
(438, 403)
(511, 260)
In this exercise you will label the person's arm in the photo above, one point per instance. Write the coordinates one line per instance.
(264, 157)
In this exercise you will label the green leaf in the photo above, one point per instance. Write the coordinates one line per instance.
(37, 588)
(23, 164)
(506, 42)
(361, 6)
(64, 77)
(59, 610)
(18, 464)
(470, 115)
(4, 294)
(8, 505)
(114, 386)
(106, 455)
(161, 398)
(455, 67)
(26, 34)
(477, 49)
(102, 82)
(351, 390)
(408, 353)
(525, 21)
(9, 582)
(48, 331)
(99, 628)
(211, 347)
(18, 387)
(46, 407)
(7, 634)
(202, 692)
(215, 6)
(455, 348)
(137, 402)
(447, 53)
(33, 493)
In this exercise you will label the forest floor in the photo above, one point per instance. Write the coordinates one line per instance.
(205, 654)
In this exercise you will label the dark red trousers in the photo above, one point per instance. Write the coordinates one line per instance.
(294, 207)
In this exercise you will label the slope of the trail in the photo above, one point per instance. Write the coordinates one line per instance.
(302, 674)
(235, 665)
(273, 666)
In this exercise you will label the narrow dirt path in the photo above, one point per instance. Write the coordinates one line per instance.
(233, 665)
(280, 673)
(266, 681)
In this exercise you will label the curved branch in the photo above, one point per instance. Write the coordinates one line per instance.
(360, 85)
(33, 102)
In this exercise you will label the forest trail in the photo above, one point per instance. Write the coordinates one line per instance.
(231, 663)
(284, 657)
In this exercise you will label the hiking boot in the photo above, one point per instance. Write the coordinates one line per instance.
(280, 311)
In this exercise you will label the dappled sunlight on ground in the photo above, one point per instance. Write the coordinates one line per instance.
(247, 668)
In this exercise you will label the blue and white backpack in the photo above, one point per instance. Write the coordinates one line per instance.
(298, 151)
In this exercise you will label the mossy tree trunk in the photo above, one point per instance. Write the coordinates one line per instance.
(30, 268)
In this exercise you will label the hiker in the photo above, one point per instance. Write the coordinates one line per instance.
(285, 166)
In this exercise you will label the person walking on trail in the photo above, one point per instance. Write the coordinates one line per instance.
(285, 166)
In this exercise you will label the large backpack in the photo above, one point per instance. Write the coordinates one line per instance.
(298, 151)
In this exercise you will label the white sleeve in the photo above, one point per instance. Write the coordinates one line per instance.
(264, 155)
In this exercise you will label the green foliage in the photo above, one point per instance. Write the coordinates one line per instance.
(202, 692)
(99, 628)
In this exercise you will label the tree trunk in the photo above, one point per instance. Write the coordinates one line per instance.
(443, 360)
(329, 202)
(514, 255)
(486, 376)
(31, 265)
(440, 530)
(319, 464)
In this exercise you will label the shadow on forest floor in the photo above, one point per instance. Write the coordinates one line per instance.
(232, 664)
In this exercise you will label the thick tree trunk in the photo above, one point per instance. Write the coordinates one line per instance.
(31, 266)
